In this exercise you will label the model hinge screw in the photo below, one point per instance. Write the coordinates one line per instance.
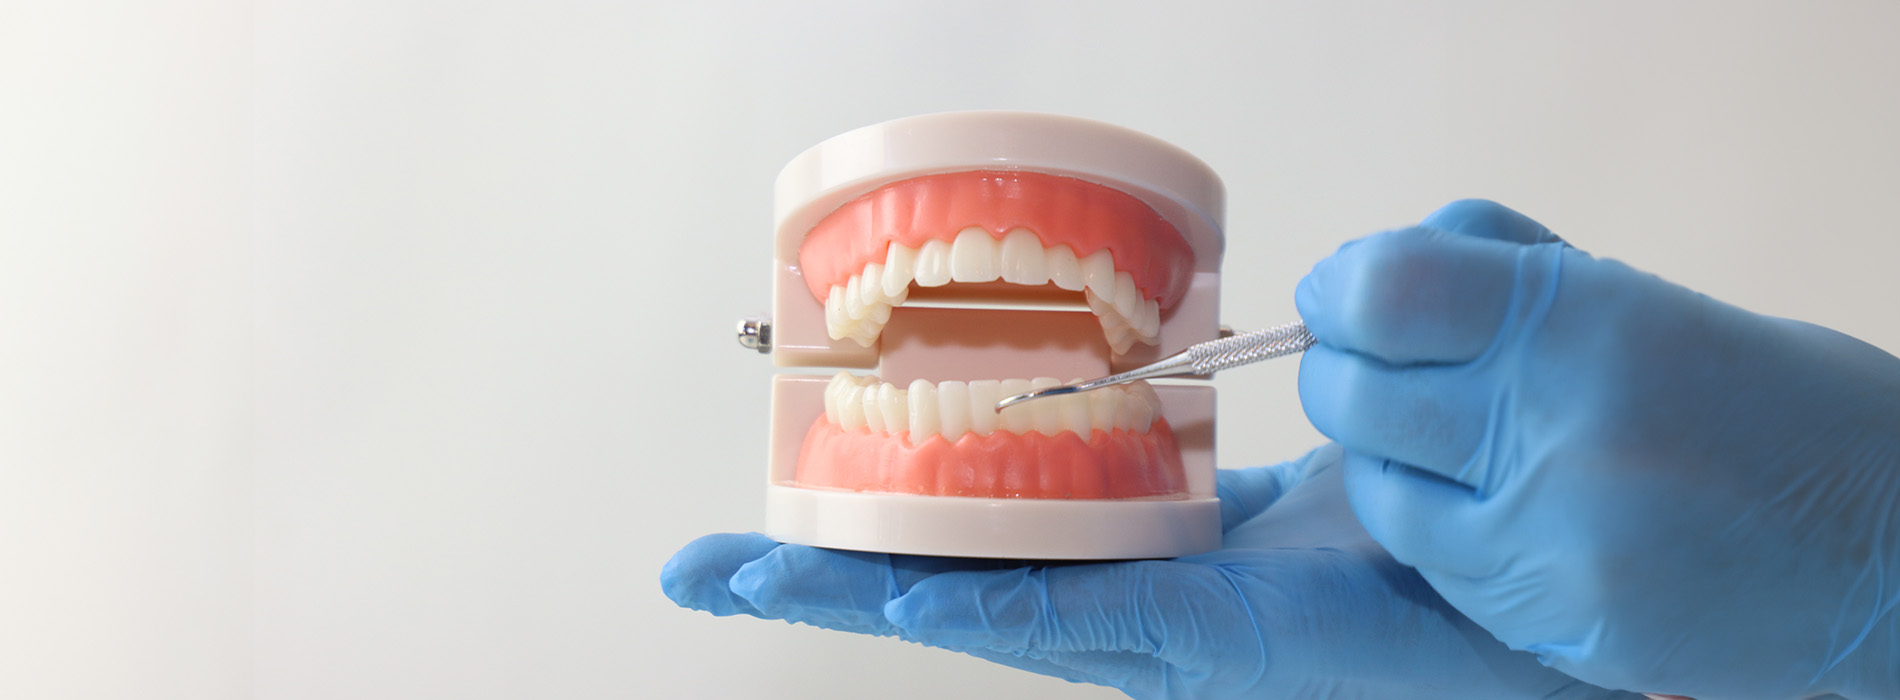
(756, 334)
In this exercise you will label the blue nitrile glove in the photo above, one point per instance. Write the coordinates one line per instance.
(1298, 603)
(1646, 487)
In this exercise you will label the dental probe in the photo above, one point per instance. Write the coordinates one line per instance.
(1202, 358)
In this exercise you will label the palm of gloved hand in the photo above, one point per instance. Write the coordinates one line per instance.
(1646, 487)
(1298, 603)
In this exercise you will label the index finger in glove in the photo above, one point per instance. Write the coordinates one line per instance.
(1412, 296)
(1245, 493)
(1419, 335)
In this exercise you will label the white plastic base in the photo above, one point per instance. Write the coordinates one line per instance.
(992, 528)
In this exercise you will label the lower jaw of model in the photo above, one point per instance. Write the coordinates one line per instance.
(1044, 235)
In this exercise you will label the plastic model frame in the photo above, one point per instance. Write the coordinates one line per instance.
(969, 256)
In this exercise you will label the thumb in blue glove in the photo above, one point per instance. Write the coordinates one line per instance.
(1298, 603)
(1646, 487)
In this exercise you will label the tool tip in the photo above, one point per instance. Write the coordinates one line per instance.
(1031, 395)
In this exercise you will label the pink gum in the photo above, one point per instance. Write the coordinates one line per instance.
(1061, 210)
(1111, 464)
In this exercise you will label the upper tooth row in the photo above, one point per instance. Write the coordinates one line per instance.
(954, 408)
(859, 308)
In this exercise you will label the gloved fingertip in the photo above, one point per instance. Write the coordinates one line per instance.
(1324, 376)
(941, 618)
(1245, 493)
(760, 581)
(1460, 215)
(1483, 218)
(910, 609)
(1306, 299)
(697, 576)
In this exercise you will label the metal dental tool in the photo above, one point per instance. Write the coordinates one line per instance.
(1204, 358)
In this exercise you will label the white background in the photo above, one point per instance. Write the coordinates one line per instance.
(382, 349)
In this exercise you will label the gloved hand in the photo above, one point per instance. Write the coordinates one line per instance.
(1647, 488)
(1298, 603)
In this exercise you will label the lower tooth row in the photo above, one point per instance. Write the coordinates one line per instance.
(954, 408)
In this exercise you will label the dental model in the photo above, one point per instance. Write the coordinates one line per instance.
(971, 256)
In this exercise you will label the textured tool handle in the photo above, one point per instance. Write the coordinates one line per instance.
(1248, 348)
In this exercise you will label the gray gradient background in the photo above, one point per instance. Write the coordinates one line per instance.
(383, 349)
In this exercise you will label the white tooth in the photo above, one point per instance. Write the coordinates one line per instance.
(1075, 412)
(1127, 297)
(1115, 328)
(851, 407)
(895, 405)
(1142, 414)
(880, 314)
(1101, 409)
(953, 409)
(1112, 320)
(1023, 259)
(1098, 272)
(831, 395)
(981, 409)
(1044, 417)
(1016, 419)
(835, 394)
(866, 333)
(872, 286)
(873, 414)
(853, 305)
(899, 262)
(837, 323)
(973, 256)
(1149, 323)
(1102, 307)
(1147, 404)
(933, 263)
(923, 410)
(1063, 268)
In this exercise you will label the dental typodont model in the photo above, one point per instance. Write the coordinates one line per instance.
(967, 257)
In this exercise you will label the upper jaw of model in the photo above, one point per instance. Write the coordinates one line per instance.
(1032, 231)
